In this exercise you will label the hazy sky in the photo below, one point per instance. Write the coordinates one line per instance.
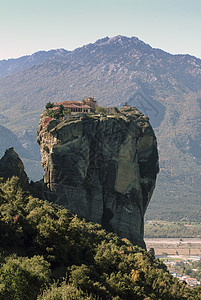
(27, 26)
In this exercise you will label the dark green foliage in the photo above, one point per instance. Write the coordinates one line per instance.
(65, 291)
(55, 114)
(22, 277)
(58, 113)
(67, 112)
(50, 244)
(101, 110)
(49, 105)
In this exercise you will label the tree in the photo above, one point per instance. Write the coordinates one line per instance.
(22, 278)
(49, 105)
(61, 108)
(152, 252)
(67, 112)
(101, 110)
(55, 114)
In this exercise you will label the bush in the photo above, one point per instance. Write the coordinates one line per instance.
(67, 112)
(65, 291)
(49, 105)
(55, 114)
(22, 278)
(101, 110)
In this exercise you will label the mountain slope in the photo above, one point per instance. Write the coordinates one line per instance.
(28, 152)
(163, 86)
(9, 139)
(10, 66)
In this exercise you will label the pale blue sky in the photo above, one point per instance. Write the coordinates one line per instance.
(27, 26)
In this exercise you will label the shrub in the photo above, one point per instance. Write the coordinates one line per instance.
(101, 110)
(49, 105)
(64, 292)
(55, 114)
(22, 278)
(67, 112)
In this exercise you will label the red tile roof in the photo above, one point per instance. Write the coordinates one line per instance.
(86, 106)
(72, 104)
(68, 102)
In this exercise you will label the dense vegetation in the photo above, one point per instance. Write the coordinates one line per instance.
(58, 113)
(160, 229)
(48, 253)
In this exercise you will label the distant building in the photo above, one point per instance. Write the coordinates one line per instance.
(84, 106)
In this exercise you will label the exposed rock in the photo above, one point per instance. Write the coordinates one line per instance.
(11, 165)
(101, 168)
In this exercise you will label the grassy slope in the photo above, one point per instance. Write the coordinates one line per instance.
(160, 229)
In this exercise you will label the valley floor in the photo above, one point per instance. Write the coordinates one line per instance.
(182, 256)
(175, 246)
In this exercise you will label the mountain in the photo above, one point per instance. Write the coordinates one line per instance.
(111, 69)
(116, 70)
(10, 66)
(9, 139)
(28, 151)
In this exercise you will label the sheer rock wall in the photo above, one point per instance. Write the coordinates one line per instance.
(102, 168)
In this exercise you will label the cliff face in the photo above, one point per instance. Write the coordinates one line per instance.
(101, 168)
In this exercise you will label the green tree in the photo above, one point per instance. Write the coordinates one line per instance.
(64, 292)
(101, 110)
(49, 105)
(55, 114)
(67, 112)
(22, 278)
(61, 109)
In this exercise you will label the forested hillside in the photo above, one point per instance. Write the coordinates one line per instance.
(48, 253)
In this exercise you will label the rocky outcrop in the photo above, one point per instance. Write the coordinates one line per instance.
(11, 165)
(102, 168)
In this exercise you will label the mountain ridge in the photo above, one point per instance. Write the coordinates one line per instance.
(43, 55)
